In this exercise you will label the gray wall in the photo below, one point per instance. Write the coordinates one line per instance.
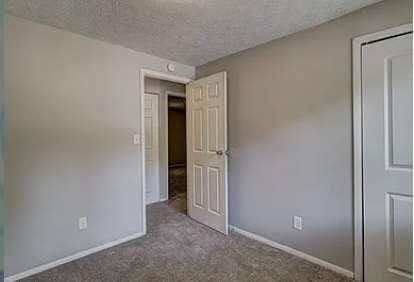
(1, 142)
(72, 105)
(160, 87)
(290, 132)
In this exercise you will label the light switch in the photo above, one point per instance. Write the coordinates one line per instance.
(297, 222)
(82, 223)
(137, 139)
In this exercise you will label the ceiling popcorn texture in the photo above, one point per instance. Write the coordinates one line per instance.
(192, 32)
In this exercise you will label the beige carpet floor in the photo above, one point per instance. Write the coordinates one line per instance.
(177, 248)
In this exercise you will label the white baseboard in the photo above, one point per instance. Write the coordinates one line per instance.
(156, 201)
(76, 256)
(259, 238)
(294, 252)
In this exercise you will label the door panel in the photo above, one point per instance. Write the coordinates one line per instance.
(213, 186)
(399, 223)
(398, 105)
(151, 148)
(198, 130)
(387, 93)
(198, 186)
(212, 129)
(207, 146)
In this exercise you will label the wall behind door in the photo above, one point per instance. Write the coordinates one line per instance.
(290, 133)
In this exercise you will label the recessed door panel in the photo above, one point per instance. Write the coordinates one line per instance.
(213, 90)
(398, 105)
(149, 132)
(198, 186)
(399, 228)
(198, 130)
(213, 186)
(197, 94)
(212, 129)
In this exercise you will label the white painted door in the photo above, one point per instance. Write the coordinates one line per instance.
(207, 151)
(387, 101)
(151, 148)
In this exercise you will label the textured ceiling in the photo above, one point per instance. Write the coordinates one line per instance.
(192, 32)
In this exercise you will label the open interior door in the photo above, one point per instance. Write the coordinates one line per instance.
(207, 151)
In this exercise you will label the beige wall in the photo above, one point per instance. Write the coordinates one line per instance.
(160, 87)
(290, 133)
(72, 107)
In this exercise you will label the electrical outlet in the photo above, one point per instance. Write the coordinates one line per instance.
(297, 222)
(137, 139)
(83, 223)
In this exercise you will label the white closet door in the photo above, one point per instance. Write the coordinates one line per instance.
(152, 176)
(387, 105)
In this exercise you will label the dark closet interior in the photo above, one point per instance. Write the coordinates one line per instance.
(177, 156)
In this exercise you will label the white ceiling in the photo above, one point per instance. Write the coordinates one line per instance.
(192, 32)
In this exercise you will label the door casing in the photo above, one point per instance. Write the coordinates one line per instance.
(158, 75)
(357, 44)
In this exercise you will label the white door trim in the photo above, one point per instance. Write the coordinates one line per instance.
(159, 75)
(293, 251)
(357, 44)
(81, 254)
(167, 94)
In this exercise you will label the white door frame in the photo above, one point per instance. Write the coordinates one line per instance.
(357, 44)
(159, 75)
(167, 94)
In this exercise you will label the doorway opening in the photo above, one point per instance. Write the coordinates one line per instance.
(177, 151)
(164, 140)
(205, 169)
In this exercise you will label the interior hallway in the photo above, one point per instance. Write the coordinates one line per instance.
(177, 248)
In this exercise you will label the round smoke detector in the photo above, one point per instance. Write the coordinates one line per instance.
(170, 67)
